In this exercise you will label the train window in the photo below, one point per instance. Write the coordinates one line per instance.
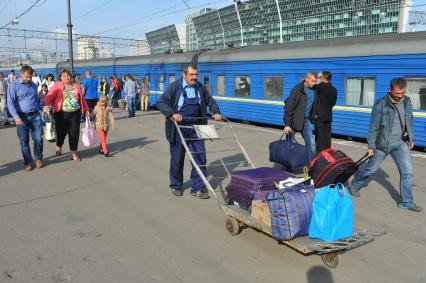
(172, 78)
(273, 87)
(206, 81)
(416, 91)
(160, 82)
(360, 91)
(220, 85)
(242, 86)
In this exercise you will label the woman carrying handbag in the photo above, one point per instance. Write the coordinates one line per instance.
(68, 102)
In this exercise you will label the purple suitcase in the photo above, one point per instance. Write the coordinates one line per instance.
(250, 184)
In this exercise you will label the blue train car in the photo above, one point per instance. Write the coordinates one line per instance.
(252, 83)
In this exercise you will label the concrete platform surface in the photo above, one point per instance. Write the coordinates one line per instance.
(115, 220)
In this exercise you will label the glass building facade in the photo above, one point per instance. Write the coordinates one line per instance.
(258, 22)
(169, 38)
(191, 35)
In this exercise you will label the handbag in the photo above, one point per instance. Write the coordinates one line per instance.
(89, 134)
(49, 128)
(332, 214)
(288, 152)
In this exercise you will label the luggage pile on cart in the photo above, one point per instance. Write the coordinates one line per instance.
(298, 212)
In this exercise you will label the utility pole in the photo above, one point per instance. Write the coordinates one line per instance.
(236, 3)
(69, 25)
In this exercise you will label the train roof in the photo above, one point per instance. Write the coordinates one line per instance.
(157, 59)
(385, 44)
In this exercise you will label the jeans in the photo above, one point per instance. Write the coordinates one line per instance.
(115, 97)
(177, 152)
(34, 125)
(308, 137)
(400, 153)
(131, 107)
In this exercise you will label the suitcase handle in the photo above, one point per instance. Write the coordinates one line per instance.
(362, 159)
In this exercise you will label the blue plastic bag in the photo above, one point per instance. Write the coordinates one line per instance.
(332, 214)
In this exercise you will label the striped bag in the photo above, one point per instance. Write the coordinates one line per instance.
(291, 211)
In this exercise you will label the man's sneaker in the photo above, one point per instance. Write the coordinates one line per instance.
(177, 192)
(203, 194)
(410, 206)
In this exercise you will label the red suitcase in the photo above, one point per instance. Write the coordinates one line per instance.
(332, 166)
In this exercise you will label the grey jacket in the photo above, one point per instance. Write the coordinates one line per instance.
(382, 119)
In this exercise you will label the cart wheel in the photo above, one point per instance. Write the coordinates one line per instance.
(233, 226)
(331, 259)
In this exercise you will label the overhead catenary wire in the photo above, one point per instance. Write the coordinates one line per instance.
(154, 16)
(25, 12)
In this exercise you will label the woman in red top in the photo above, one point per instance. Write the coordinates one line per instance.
(67, 101)
(115, 91)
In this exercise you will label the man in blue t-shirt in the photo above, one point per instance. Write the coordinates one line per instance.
(90, 90)
(300, 112)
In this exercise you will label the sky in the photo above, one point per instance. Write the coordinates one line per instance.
(114, 18)
(104, 14)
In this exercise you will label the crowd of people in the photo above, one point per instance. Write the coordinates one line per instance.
(307, 110)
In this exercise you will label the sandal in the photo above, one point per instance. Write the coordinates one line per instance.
(75, 157)
(58, 151)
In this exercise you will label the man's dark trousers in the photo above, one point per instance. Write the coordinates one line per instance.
(323, 135)
(177, 152)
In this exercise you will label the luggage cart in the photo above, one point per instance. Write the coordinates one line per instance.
(238, 218)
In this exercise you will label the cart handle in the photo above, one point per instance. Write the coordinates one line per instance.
(201, 118)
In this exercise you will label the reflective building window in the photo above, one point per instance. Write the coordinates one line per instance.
(172, 78)
(160, 83)
(220, 85)
(273, 87)
(416, 90)
(242, 86)
(206, 82)
(360, 91)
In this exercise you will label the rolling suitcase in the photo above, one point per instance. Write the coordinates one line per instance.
(291, 211)
(247, 185)
(333, 166)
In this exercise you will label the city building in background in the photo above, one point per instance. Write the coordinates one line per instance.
(258, 22)
(191, 35)
(171, 38)
(139, 47)
(106, 53)
(88, 48)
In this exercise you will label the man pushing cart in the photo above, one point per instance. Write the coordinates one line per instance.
(184, 101)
